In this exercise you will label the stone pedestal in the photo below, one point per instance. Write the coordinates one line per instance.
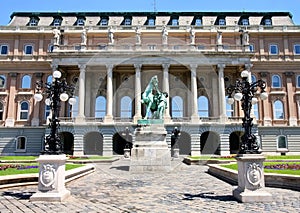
(176, 153)
(51, 179)
(126, 153)
(150, 152)
(251, 181)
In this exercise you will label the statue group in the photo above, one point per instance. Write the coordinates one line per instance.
(155, 100)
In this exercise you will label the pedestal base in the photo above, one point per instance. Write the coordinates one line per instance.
(51, 179)
(251, 182)
(150, 152)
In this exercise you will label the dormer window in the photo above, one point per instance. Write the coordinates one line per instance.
(268, 22)
(198, 22)
(33, 21)
(151, 22)
(245, 21)
(57, 21)
(104, 21)
(127, 21)
(175, 22)
(222, 21)
(80, 21)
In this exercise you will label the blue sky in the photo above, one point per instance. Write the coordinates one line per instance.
(9, 6)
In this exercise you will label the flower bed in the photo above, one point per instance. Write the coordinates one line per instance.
(17, 166)
(283, 166)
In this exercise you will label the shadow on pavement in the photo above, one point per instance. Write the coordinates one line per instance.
(123, 168)
(210, 196)
(19, 195)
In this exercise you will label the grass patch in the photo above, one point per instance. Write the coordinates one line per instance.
(283, 157)
(276, 171)
(18, 157)
(211, 158)
(90, 158)
(14, 171)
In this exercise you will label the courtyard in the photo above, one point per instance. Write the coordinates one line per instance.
(112, 188)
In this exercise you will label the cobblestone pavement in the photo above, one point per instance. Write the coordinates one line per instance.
(111, 188)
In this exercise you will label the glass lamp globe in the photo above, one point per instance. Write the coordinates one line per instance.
(245, 74)
(238, 96)
(56, 74)
(48, 101)
(72, 101)
(38, 97)
(64, 96)
(263, 96)
(254, 101)
(230, 101)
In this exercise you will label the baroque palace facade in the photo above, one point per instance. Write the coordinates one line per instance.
(110, 58)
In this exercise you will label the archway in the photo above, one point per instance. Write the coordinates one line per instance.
(120, 140)
(184, 143)
(210, 143)
(67, 141)
(235, 141)
(93, 143)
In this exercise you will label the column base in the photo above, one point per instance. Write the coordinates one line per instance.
(80, 119)
(108, 119)
(35, 122)
(136, 118)
(51, 196)
(10, 122)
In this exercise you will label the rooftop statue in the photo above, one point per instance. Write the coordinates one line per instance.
(155, 100)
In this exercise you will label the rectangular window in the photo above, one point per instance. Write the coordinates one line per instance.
(127, 21)
(151, 47)
(297, 49)
(198, 22)
(33, 22)
(251, 47)
(273, 49)
(245, 22)
(268, 22)
(28, 50)
(4, 49)
(21, 144)
(104, 22)
(222, 22)
(80, 22)
(151, 22)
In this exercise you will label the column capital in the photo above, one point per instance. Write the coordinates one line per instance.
(138, 66)
(193, 67)
(221, 66)
(109, 67)
(165, 66)
(82, 67)
(54, 66)
(248, 66)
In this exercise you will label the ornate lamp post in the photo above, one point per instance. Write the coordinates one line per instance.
(251, 181)
(55, 91)
(245, 92)
(51, 185)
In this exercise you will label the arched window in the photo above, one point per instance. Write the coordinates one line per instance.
(21, 144)
(253, 78)
(73, 109)
(1, 111)
(278, 110)
(26, 82)
(255, 110)
(126, 107)
(49, 79)
(24, 110)
(100, 107)
(203, 106)
(276, 81)
(282, 142)
(298, 81)
(177, 107)
(229, 108)
(2, 81)
(47, 111)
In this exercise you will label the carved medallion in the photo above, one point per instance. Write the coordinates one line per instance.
(254, 174)
(48, 175)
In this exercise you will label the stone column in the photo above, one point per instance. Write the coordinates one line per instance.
(81, 98)
(36, 106)
(224, 145)
(11, 114)
(138, 92)
(195, 116)
(222, 93)
(290, 98)
(109, 94)
(266, 106)
(166, 88)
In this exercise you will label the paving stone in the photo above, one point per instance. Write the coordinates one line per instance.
(112, 189)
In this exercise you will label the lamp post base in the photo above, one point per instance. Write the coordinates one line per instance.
(51, 185)
(251, 182)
